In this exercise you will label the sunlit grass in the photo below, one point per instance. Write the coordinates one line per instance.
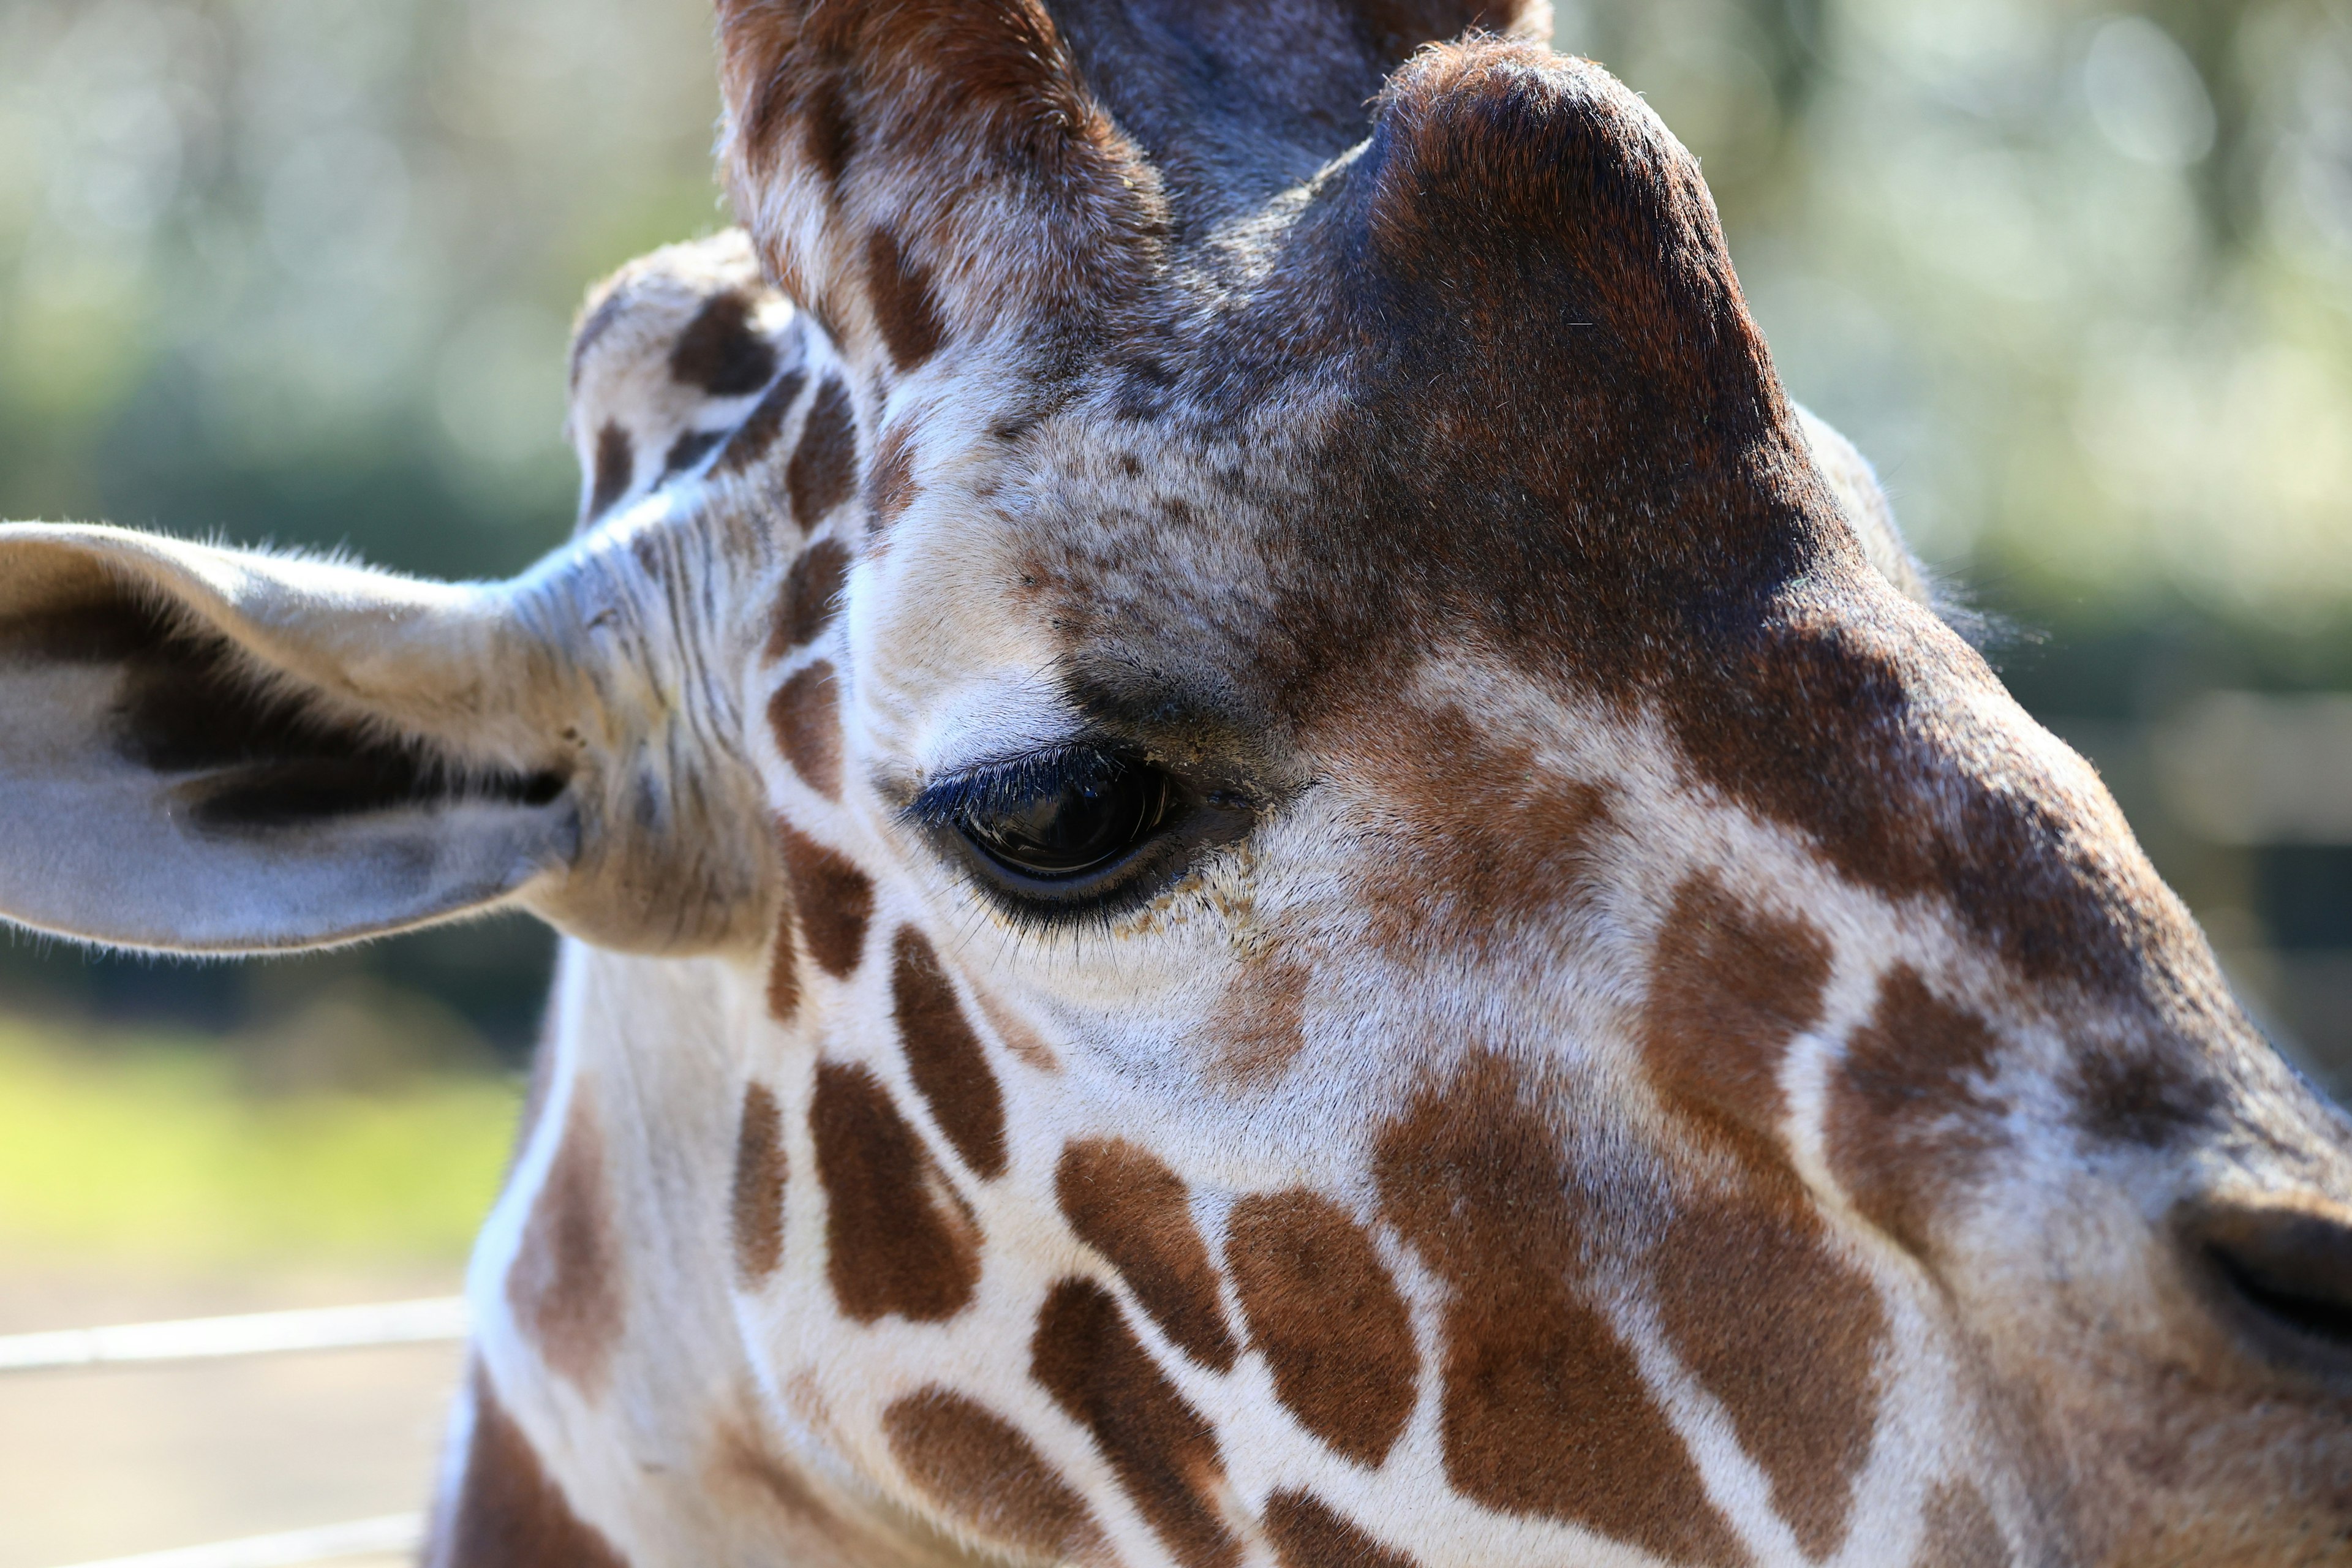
(156, 1147)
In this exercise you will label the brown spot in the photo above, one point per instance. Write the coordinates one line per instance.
(1321, 1305)
(616, 463)
(805, 714)
(824, 464)
(1015, 1035)
(1729, 988)
(2138, 1095)
(1787, 1335)
(1961, 1531)
(1545, 1409)
(719, 351)
(1132, 1209)
(899, 1238)
(829, 132)
(1258, 1027)
(758, 1200)
(762, 426)
(1307, 1532)
(812, 596)
(508, 1512)
(986, 1473)
(890, 487)
(944, 1058)
(1906, 1119)
(565, 1283)
(785, 972)
(904, 308)
(1164, 1455)
(1486, 838)
(690, 447)
(835, 900)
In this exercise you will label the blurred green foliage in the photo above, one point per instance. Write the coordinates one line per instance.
(2077, 275)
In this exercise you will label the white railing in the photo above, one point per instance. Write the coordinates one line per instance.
(253, 1333)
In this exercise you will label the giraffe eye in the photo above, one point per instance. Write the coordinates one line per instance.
(1062, 817)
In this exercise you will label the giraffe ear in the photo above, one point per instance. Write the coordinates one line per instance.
(922, 173)
(216, 751)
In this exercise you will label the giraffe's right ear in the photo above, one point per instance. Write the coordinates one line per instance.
(218, 750)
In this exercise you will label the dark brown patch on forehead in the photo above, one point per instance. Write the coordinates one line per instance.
(1133, 1210)
(1164, 1455)
(944, 1057)
(987, 1475)
(1907, 1120)
(805, 714)
(762, 426)
(756, 1203)
(1545, 1410)
(1961, 1531)
(1323, 1310)
(824, 465)
(904, 307)
(1729, 988)
(812, 596)
(2139, 1096)
(1786, 1334)
(1307, 1532)
(890, 487)
(565, 1284)
(898, 1240)
(508, 1512)
(835, 900)
(1259, 1025)
(616, 463)
(719, 351)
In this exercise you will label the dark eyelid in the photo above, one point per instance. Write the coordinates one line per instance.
(1005, 780)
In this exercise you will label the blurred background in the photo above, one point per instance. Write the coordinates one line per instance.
(2078, 277)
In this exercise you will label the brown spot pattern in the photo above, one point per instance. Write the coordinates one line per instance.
(785, 972)
(1307, 1532)
(1545, 1410)
(1729, 989)
(1259, 1026)
(833, 899)
(2138, 1095)
(1787, 1335)
(616, 463)
(1322, 1308)
(984, 1471)
(1134, 1210)
(944, 1057)
(899, 1240)
(904, 308)
(812, 596)
(719, 351)
(1084, 1356)
(824, 464)
(1961, 1531)
(756, 1201)
(762, 426)
(805, 714)
(1906, 1121)
(890, 487)
(508, 1512)
(565, 1284)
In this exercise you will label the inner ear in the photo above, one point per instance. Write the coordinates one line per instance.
(243, 749)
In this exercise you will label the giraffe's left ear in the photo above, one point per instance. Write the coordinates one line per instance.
(218, 750)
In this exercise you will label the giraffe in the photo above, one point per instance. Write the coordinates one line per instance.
(1262, 864)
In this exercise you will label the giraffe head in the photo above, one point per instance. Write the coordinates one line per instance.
(1269, 866)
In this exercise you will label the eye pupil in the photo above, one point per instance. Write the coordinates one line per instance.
(1081, 817)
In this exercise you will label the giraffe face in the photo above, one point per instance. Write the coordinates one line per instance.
(1389, 694)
